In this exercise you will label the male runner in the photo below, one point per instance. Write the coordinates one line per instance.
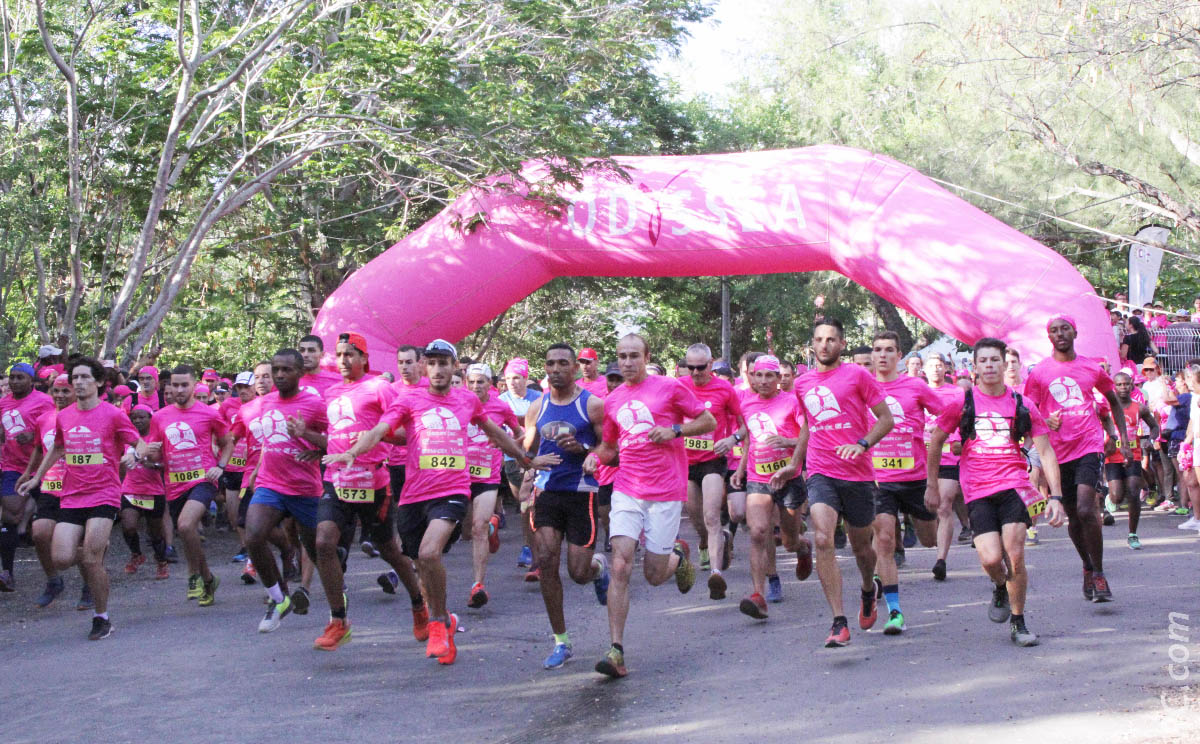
(644, 421)
(707, 465)
(773, 419)
(358, 490)
(1061, 387)
(143, 493)
(787, 376)
(91, 434)
(315, 380)
(862, 357)
(913, 366)
(518, 396)
(186, 433)
(19, 413)
(947, 479)
(1125, 476)
(590, 378)
(992, 420)
(438, 484)
(148, 393)
(287, 427)
(899, 462)
(412, 375)
(834, 447)
(235, 470)
(563, 426)
(484, 465)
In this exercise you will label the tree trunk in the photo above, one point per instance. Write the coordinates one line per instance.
(890, 316)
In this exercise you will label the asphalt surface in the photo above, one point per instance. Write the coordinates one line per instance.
(699, 670)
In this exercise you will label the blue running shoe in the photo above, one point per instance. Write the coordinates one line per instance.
(526, 559)
(558, 656)
(602, 581)
(241, 556)
(774, 590)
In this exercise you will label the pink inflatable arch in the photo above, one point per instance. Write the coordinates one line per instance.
(876, 221)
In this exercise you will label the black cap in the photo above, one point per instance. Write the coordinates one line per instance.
(439, 347)
(221, 388)
(722, 367)
(612, 370)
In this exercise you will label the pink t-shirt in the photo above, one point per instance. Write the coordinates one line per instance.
(779, 414)
(836, 405)
(946, 394)
(264, 421)
(240, 456)
(900, 456)
(484, 460)
(649, 471)
(320, 381)
(597, 387)
(52, 481)
(149, 399)
(991, 461)
(94, 441)
(188, 436)
(436, 426)
(351, 409)
(398, 453)
(144, 479)
(20, 415)
(1066, 388)
(719, 399)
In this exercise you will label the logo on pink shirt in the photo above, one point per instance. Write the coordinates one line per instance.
(761, 425)
(635, 418)
(992, 429)
(340, 413)
(440, 418)
(13, 423)
(822, 404)
(1066, 391)
(270, 428)
(181, 436)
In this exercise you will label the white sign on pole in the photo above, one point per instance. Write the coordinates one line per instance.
(1145, 259)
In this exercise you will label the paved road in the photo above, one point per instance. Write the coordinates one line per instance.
(699, 670)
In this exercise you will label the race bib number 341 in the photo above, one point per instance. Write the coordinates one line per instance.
(893, 463)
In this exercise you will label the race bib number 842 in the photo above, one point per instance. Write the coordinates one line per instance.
(442, 462)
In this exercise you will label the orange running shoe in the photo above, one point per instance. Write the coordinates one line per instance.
(494, 534)
(477, 597)
(337, 632)
(249, 575)
(421, 622)
(164, 572)
(451, 650)
(437, 645)
(134, 562)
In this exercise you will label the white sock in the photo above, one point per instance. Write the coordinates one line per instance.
(275, 593)
(103, 615)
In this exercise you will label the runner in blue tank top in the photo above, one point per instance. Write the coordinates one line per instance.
(565, 422)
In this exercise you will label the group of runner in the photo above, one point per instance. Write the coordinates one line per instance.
(301, 458)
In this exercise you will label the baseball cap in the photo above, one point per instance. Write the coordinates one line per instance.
(479, 369)
(588, 354)
(722, 368)
(1149, 363)
(202, 390)
(121, 390)
(441, 347)
(354, 339)
(48, 350)
(244, 378)
(209, 374)
(221, 388)
(64, 381)
(612, 370)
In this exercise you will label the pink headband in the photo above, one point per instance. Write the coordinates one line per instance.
(1070, 321)
(517, 366)
(143, 407)
(766, 363)
(148, 370)
(62, 381)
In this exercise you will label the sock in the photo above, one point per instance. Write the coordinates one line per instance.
(134, 541)
(891, 595)
(619, 647)
(772, 576)
(338, 614)
(840, 620)
(733, 528)
(160, 549)
(275, 593)
(8, 546)
(562, 638)
(417, 602)
(102, 615)
(1018, 620)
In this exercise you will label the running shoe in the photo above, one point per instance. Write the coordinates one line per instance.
(868, 612)
(774, 590)
(164, 570)
(209, 596)
(612, 664)
(755, 606)
(134, 562)
(493, 534)
(249, 575)
(878, 582)
(1134, 542)
(534, 576)
(1108, 519)
(705, 564)
(172, 556)
(1021, 635)
(389, 582)
(6, 582)
(910, 535)
(966, 536)
(300, 601)
(503, 521)
(54, 587)
(436, 645)
(276, 611)
(1089, 587)
(195, 586)
(1166, 506)
(726, 549)
(85, 599)
(839, 635)
(477, 597)
(1031, 536)
(369, 550)
(451, 654)
(839, 537)
(999, 610)
(1183, 511)
(685, 572)
(101, 628)
(602, 580)
(421, 622)
(939, 570)
(899, 557)
(337, 633)
(526, 558)
(1102, 593)
(557, 657)
(895, 624)
(804, 560)
(240, 556)
(716, 586)
(1190, 524)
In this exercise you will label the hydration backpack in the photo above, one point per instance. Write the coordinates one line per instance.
(1022, 421)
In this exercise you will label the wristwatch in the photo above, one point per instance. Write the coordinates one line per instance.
(1055, 498)
(863, 443)
(737, 437)
(678, 430)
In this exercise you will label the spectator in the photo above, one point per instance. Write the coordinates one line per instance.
(1137, 343)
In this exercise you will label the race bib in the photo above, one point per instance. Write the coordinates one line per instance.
(767, 468)
(893, 463)
(237, 462)
(355, 495)
(697, 444)
(480, 471)
(1035, 502)
(52, 486)
(140, 503)
(738, 450)
(442, 462)
(85, 458)
(946, 448)
(186, 476)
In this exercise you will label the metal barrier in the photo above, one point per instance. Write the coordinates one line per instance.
(1183, 343)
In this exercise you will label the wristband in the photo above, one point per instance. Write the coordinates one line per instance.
(1055, 498)
(863, 443)
(737, 437)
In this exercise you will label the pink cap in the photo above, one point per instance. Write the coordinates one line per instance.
(1061, 316)
(143, 407)
(517, 366)
(766, 363)
(62, 381)
(121, 390)
(149, 370)
(202, 390)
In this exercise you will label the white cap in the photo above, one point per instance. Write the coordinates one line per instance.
(244, 378)
(48, 350)
(479, 369)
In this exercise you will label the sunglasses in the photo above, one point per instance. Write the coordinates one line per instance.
(695, 367)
